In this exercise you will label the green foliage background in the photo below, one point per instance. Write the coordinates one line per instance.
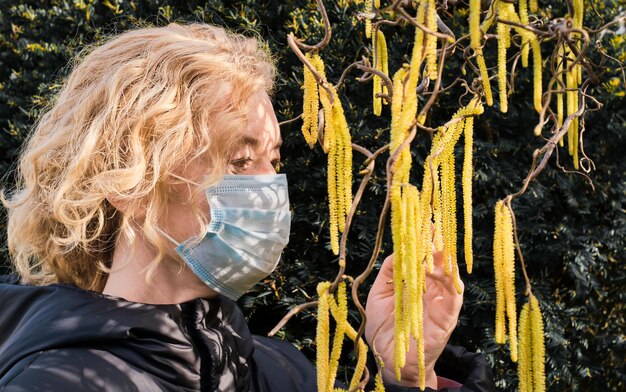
(572, 235)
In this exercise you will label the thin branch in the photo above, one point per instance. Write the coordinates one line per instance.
(292, 312)
(327, 32)
(280, 124)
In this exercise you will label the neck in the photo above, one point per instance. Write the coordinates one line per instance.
(172, 283)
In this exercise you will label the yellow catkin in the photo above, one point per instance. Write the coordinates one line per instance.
(409, 108)
(474, 23)
(310, 106)
(405, 262)
(343, 154)
(410, 244)
(332, 198)
(341, 320)
(317, 62)
(411, 260)
(368, 21)
(337, 144)
(416, 267)
(502, 33)
(438, 212)
(322, 335)
(498, 268)
(507, 11)
(537, 73)
(574, 75)
(329, 147)
(508, 262)
(401, 118)
(524, 364)
(533, 6)
(504, 11)
(467, 192)
(384, 62)
(399, 340)
(421, 364)
(560, 86)
(396, 106)
(362, 347)
(571, 108)
(431, 40)
(379, 386)
(361, 361)
(425, 216)
(449, 210)
(347, 165)
(572, 102)
(337, 151)
(523, 17)
(490, 17)
(382, 65)
(475, 41)
(484, 75)
(579, 12)
(376, 87)
(538, 348)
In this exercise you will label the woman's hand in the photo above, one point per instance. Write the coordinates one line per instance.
(442, 305)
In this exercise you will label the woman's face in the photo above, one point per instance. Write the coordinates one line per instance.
(258, 154)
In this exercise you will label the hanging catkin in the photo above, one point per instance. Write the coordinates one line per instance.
(351, 333)
(368, 21)
(323, 335)
(431, 40)
(412, 216)
(341, 320)
(444, 193)
(475, 42)
(539, 355)
(523, 16)
(508, 253)
(467, 192)
(498, 267)
(404, 110)
(382, 65)
(531, 363)
(561, 87)
(503, 43)
(310, 106)
(338, 145)
(573, 78)
(504, 268)
(524, 361)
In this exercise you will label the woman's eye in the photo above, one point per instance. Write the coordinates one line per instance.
(242, 163)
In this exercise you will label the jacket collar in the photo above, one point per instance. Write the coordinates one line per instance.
(200, 344)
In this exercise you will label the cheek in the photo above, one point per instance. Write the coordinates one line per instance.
(180, 218)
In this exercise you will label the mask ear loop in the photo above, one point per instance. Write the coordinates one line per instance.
(167, 236)
(184, 179)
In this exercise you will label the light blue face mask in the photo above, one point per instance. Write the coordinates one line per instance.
(249, 228)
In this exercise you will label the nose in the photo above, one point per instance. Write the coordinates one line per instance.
(264, 167)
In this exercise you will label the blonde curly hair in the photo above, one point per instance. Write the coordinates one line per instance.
(130, 112)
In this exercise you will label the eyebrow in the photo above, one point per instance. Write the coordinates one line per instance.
(253, 142)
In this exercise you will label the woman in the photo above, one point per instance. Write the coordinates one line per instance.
(148, 202)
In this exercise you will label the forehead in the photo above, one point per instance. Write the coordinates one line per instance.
(262, 128)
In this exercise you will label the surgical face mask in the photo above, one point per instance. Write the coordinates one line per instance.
(249, 228)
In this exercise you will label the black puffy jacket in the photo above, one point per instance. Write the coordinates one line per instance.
(62, 338)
